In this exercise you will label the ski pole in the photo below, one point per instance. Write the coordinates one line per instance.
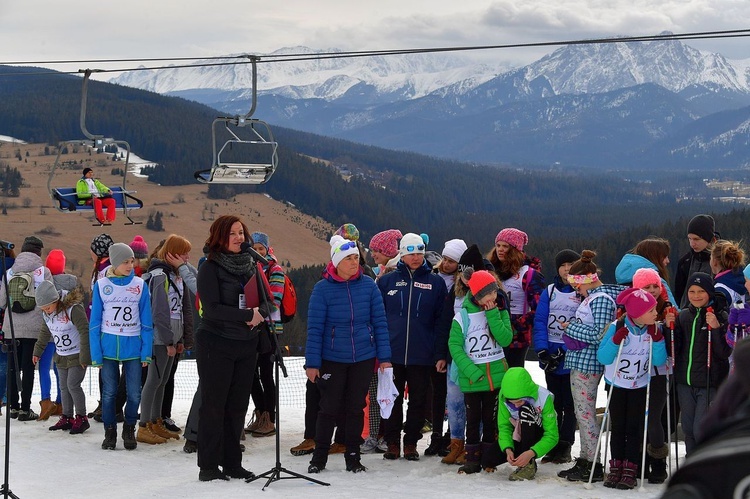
(670, 370)
(645, 420)
(709, 310)
(588, 485)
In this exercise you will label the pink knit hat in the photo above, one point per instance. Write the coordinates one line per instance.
(636, 302)
(644, 277)
(386, 242)
(516, 238)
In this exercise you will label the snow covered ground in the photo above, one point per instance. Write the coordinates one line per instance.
(56, 464)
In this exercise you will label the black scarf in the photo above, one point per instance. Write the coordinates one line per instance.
(240, 264)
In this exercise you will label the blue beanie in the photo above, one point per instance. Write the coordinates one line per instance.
(747, 272)
(260, 238)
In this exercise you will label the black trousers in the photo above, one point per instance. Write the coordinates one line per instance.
(439, 394)
(25, 353)
(343, 389)
(531, 429)
(559, 385)
(226, 368)
(264, 387)
(418, 380)
(481, 409)
(627, 410)
(312, 408)
(516, 357)
(166, 405)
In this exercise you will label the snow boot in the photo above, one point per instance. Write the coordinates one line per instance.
(563, 453)
(580, 462)
(239, 472)
(80, 424)
(490, 456)
(146, 435)
(629, 473)
(64, 423)
(457, 449)
(473, 460)
(436, 444)
(307, 446)
(615, 474)
(353, 462)
(265, 427)
(161, 430)
(209, 474)
(128, 436)
(410, 452)
(254, 422)
(47, 409)
(110, 438)
(522, 473)
(190, 447)
(658, 457)
(583, 473)
(319, 460)
(393, 452)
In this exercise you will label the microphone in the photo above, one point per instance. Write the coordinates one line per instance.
(6, 245)
(248, 248)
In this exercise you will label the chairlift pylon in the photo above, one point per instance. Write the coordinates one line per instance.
(261, 160)
(66, 198)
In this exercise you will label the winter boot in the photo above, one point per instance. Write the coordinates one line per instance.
(522, 473)
(353, 463)
(307, 446)
(563, 453)
(410, 452)
(209, 474)
(319, 460)
(47, 409)
(457, 449)
(490, 456)
(64, 423)
(163, 432)
(436, 444)
(658, 457)
(584, 473)
(446, 444)
(80, 424)
(239, 472)
(29, 415)
(629, 473)
(110, 438)
(147, 435)
(266, 427)
(128, 436)
(190, 447)
(254, 422)
(58, 409)
(580, 462)
(393, 452)
(473, 460)
(615, 474)
(551, 455)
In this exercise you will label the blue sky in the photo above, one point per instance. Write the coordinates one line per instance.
(35, 30)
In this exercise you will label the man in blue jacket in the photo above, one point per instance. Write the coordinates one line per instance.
(413, 298)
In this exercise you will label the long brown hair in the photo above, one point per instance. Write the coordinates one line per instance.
(655, 250)
(218, 234)
(174, 244)
(511, 265)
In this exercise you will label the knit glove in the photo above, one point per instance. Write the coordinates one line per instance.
(558, 356)
(546, 361)
(655, 333)
(620, 335)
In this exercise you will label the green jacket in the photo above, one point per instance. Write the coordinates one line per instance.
(479, 377)
(82, 190)
(517, 384)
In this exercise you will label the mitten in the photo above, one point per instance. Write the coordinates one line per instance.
(655, 333)
(620, 335)
(743, 316)
(734, 316)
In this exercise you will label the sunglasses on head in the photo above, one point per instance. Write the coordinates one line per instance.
(418, 247)
(347, 245)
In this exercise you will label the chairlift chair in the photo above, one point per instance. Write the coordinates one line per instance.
(65, 197)
(260, 161)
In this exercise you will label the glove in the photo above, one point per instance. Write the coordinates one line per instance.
(620, 335)
(544, 360)
(655, 333)
(559, 356)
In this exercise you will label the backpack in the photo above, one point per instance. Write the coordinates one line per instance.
(288, 308)
(21, 292)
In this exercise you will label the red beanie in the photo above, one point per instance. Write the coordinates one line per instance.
(481, 283)
(55, 262)
(516, 238)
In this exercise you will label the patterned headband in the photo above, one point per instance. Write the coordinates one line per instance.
(583, 279)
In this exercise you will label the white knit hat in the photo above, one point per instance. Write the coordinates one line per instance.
(410, 244)
(454, 249)
(341, 248)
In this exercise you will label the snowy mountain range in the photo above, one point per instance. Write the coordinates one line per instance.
(617, 104)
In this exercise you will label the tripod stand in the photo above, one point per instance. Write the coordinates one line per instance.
(11, 350)
(275, 473)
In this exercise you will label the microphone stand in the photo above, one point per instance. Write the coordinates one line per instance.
(275, 473)
(11, 349)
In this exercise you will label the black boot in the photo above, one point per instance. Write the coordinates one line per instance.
(353, 463)
(563, 453)
(473, 460)
(658, 460)
(584, 473)
(128, 437)
(110, 438)
(551, 455)
(437, 443)
(580, 462)
(491, 456)
(319, 459)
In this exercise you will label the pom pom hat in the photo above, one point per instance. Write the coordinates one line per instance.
(139, 247)
(386, 242)
(341, 248)
(454, 249)
(516, 238)
(637, 302)
(411, 244)
(482, 283)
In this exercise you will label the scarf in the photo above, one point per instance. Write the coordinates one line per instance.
(240, 264)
